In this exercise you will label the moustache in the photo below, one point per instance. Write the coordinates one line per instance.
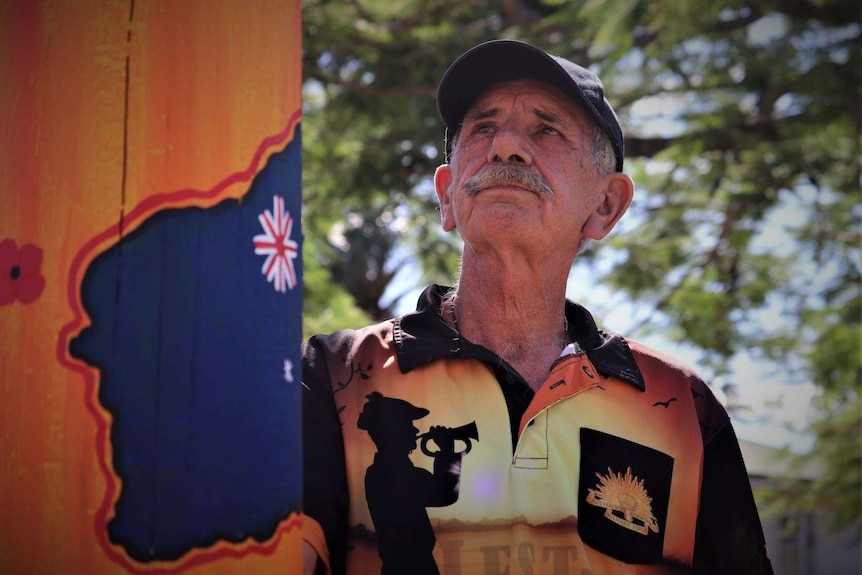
(507, 174)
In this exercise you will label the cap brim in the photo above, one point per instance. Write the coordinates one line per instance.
(491, 63)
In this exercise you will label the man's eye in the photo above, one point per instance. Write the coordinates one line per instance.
(482, 129)
(548, 130)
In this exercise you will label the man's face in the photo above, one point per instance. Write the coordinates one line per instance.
(536, 131)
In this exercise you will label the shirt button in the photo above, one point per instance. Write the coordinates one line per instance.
(510, 379)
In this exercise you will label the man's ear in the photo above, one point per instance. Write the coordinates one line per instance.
(616, 198)
(442, 182)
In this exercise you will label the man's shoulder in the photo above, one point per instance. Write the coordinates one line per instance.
(348, 342)
(651, 359)
(659, 367)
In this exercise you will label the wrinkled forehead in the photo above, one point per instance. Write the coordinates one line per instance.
(535, 95)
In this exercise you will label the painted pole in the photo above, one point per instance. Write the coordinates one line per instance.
(150, 286)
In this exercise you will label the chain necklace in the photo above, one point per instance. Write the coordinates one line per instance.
(454, 316)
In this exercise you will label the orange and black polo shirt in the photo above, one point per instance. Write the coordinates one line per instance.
(425, 453)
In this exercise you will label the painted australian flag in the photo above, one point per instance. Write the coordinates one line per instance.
(196, 330)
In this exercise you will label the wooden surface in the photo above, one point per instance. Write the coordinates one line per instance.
(112, 111)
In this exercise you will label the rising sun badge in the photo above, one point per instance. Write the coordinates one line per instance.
(625, 501)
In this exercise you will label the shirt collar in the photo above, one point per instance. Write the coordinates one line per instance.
(422, 337)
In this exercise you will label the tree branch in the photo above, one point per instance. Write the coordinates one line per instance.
(752, 14)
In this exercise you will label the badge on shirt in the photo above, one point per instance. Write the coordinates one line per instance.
(623, 497)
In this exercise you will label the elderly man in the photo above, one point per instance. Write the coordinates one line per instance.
(587, 452)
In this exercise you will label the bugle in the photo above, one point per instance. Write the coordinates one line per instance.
(466, 433)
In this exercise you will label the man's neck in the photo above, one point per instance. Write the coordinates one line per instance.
(521, 319)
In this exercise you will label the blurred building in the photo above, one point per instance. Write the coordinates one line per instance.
(800, 543)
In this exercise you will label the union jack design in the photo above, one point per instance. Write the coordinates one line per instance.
(276, 245)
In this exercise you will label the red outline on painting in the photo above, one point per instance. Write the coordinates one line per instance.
(88, 252)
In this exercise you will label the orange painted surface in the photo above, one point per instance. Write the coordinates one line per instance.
(112, 110)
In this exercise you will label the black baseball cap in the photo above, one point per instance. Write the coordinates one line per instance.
(504, 60)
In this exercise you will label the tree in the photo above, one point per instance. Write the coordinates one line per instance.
(741, 118)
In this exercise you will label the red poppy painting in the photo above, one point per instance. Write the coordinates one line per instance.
(20, 273)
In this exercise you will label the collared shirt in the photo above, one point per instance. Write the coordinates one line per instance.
(622, 460)
(424, 336)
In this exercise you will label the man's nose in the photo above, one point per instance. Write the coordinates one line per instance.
(509, 146)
